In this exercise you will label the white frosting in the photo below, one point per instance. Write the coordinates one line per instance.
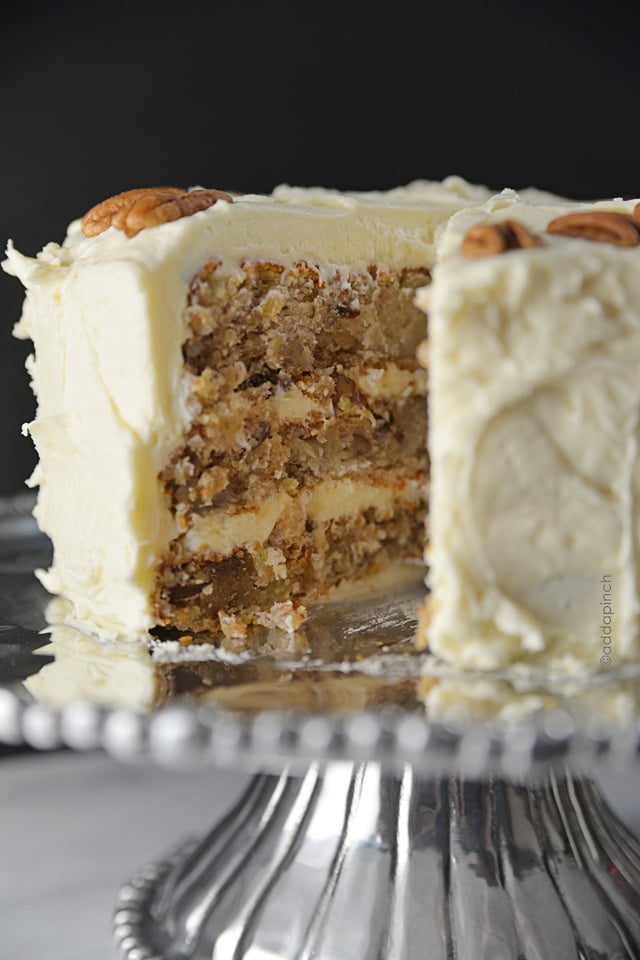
(106, 317)
(222, 533)
(534, 362)
(347, 495)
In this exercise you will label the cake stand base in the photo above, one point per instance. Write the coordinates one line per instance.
(350, 862)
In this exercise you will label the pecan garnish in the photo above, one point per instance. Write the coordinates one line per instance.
(134, 210)
(486, 239)
(604, 226)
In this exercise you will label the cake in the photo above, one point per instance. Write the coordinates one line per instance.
(534, 400)
(231, 419)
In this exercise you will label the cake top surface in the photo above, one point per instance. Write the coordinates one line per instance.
(396, 228)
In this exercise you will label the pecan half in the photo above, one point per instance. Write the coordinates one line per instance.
(604, 226)
(487, 239)
(134, 210)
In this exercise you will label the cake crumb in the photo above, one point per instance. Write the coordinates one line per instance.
(275, 559)
(232, 627)
(283, 616)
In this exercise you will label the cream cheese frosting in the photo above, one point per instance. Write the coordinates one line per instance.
(106, 315)
(534, 394)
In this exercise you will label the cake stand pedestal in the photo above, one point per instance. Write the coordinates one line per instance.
(349, 862)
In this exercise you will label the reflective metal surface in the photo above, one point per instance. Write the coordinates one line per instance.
(22, 599)
(349, 863)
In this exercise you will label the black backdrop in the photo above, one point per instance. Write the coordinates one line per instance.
(97, 99)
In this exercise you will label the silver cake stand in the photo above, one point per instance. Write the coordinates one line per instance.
(375, 833)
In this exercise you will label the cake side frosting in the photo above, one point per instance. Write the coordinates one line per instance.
(110, 408)
(534, 396)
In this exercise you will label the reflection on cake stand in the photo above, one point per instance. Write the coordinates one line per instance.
(396, 811)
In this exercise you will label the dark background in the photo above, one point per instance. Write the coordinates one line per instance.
(100, 99)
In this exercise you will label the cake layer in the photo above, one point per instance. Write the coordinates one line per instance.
(270, 316)
(534, 360)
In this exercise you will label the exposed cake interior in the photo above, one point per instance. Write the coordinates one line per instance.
(304, 464)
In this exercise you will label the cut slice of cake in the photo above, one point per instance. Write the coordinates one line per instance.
(231, 419)
(534, 399)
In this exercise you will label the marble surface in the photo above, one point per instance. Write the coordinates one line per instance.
(74, 827)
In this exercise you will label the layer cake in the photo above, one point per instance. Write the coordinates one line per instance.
(231, 419)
